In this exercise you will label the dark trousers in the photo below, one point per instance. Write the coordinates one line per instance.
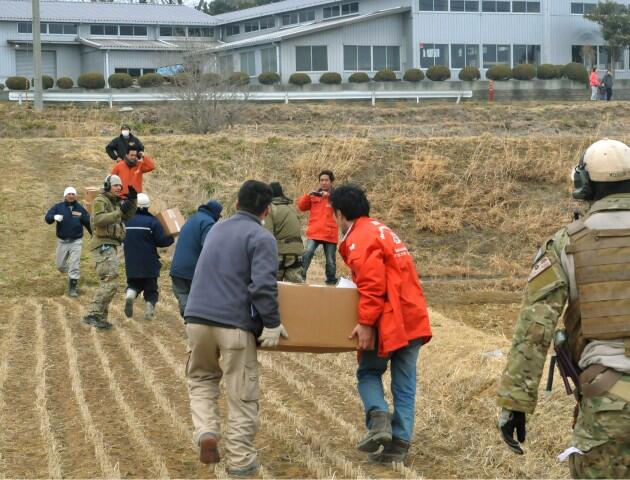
(608, 93)
(330, 252)
(181, 289)
(147, 286)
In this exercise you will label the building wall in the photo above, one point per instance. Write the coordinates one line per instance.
(141, 59)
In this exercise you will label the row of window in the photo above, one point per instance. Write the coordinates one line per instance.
(268, 62)
(135, 72)
(580, 8)
(366, 58)
(298, 17)
(119, 30)
(343, 9)
(180, 31)
(502, 6)
(462, 55)
(49, 28)
(598, 56)
(259, 24)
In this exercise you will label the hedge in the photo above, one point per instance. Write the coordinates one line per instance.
(524, 71)
(330, 78)
(413, 75)
(17, 83)
(91, 80)
(47, 82)
(268, 78)
(499, 72)
(548, 71)
(438, 73)
(120, 80)
(65, 83)
(575, 72)
(239, 78)
(181, 79)
(212, 79)
(150, 80)
(469, 74)
(299, 79)
(359, 77)
(385, 75)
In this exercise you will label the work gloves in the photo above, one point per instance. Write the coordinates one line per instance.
(132, 194)
(126, 206)
(58, 218)
(510, 422)
(270, 337)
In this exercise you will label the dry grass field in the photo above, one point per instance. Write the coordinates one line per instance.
(472, 189)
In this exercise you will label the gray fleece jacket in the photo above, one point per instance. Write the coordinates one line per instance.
(235, 278)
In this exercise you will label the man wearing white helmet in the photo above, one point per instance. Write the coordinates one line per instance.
(142, 261)
(108, 214)
(70, 218)
(584, 267)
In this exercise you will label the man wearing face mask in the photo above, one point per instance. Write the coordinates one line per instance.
(117, 148)
(133, 168)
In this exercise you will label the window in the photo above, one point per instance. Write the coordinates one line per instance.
(580, 8)
(350, 8)
(55, 28)
(357, 57)
(331, 11)
(584, 54)
(25, 27)
(269, 60)
(267, 22)
(110, 30)
(464, 55)
(611, 58)
(311, 59)
(433, 54)
(126, 30)
(133, 31)
(171, 31)
(69, 29)
(464, 5)
(248, 63)
(200, 32)
(386, 57)
(233, 29)
(134, 72)
(495, 6)
(226, 65)
(290, 18)
(307, 16)
(526, 54)
(251, 26)
(496, 54)
(522, 6)
(434, 5)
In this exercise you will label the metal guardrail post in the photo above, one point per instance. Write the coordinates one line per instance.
(111, 101)
(373, 98)
(20, 99)
(286, 97)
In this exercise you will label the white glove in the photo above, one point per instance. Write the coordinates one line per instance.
(270, 337)
(58, 217)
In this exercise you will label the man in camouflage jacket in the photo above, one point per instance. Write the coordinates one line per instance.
(586, 267)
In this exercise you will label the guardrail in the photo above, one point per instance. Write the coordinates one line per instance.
(275, 96)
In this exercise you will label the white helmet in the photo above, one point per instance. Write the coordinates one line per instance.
(607, 161)
(143, 200)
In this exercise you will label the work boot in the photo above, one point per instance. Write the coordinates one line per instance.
(245, 472)
(72, 288)
(380, 432)
(149, 311)
(395, 451)
(208, 450)
(97, 322)
(129, 298)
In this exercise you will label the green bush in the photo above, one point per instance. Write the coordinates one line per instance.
(499, 72)
(359, 77)
(575, 72)
(469, 74)
(413, 75)
(47, 82)
(120, 80)
(181, 79)
(524, 71)
(547, 71)
(239, 78)
(330, 78)
(65, 83)
(299, 79)
(17, 83)
(212, 79)
(91, 80)
(268, 78)
(438, 73)
(150, 80)
(385, 75)
(1, 86)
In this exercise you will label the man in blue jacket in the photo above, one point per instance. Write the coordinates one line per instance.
(233, 300)
(71, 218)
(188, 248)
(142, 261)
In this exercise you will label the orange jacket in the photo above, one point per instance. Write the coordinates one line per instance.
(133, 175)
(594, 79)
(321, 223)
(390, 295)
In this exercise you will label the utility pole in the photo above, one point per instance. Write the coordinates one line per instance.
(37, 58)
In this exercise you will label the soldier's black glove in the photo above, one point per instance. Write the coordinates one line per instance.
(133, 194)
(509, 422)
(126, 206)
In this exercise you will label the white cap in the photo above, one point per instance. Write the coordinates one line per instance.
(143, 200)
(113, 180)
(608, 161)
(69, 190)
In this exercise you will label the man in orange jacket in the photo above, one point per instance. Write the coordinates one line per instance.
(393, 318)
(322, 229)
(133, 168)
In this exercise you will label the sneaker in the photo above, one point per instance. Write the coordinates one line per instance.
(249, 471)
(149, 311)
(129, 298)
(97, 322)
(208, 451)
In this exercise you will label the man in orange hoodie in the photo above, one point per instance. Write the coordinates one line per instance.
(133, 168)
(393, 318)
(322, 229)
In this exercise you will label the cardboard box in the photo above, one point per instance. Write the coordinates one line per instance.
(90, 194)
(172, 221)
(317, 318)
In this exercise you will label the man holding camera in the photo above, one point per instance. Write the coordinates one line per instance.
(132, 170)
(322, 229)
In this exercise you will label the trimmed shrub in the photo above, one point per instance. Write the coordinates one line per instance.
(524, 71)
(65, 83)
(268, 78)
(150, 80)
(359, 77)
(547, 71)
(299, 79)
(385, 75)
(438, 73)
(120, 80)
(1, 86)
(239, 78)
(181, 79)
(469, 74)
(575, 72)
(330, 78)
(91, 80)
(413, 75)
(17, 83)
(47, 82)
(499, 72)
(212, 79)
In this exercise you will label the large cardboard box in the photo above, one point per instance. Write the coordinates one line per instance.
(172, 221)
(90, 194)
(317, 318)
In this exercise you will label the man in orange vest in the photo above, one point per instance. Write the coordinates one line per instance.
(132, 169)
(393, 318)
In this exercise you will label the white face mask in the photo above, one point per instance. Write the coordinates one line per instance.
(125, 133)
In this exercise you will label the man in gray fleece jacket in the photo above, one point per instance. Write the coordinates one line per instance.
(232, 300)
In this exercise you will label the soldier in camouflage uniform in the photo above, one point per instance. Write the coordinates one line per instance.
(108, 214)
(586, 267)
(284, 224)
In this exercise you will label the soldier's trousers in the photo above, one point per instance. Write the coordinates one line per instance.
(289, 269)
(602, 431)
(107, 270)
